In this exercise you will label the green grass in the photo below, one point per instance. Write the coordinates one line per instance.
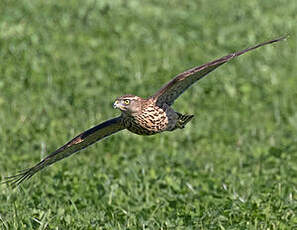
(62, 63)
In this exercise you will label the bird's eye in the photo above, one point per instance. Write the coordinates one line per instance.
(126, 102)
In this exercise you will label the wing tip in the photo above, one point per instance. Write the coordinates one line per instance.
(15, 180)
(282, 38)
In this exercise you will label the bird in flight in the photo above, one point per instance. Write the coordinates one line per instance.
(138, 115)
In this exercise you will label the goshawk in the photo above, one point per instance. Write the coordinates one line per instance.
(138, 115)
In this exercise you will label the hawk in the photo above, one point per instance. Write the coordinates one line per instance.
(138, 115)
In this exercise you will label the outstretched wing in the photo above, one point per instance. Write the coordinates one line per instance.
(78, 143)
(174, 88)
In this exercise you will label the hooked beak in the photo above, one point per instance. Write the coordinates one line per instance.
(116, 104)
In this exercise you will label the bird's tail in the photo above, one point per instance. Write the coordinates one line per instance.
(183, 119)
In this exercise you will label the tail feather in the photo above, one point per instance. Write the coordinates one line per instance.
(183, 119)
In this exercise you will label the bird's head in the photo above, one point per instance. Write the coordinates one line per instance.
(128, 104)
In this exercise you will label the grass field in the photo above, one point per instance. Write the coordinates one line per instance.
(62, 64)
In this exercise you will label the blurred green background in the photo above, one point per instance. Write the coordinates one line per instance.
(62, 63)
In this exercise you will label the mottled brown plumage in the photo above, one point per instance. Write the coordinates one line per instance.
(148, 118)
(140, 116)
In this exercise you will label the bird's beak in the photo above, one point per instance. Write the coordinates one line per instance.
(115, 104)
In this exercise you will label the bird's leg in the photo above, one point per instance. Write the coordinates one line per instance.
(182, 120)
